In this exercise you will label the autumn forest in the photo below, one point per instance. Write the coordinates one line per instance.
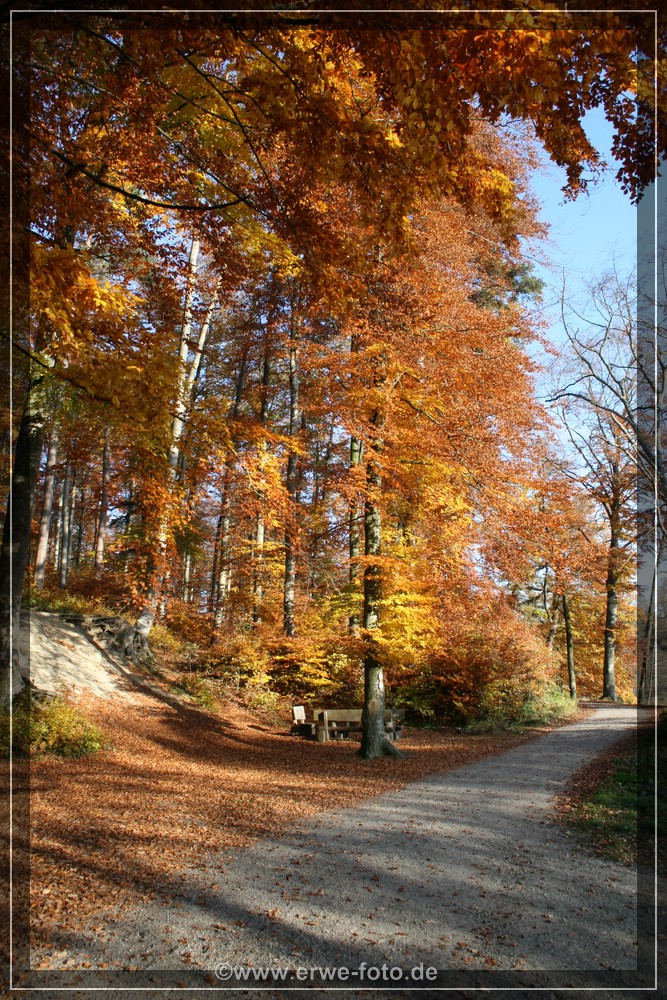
(276, 395)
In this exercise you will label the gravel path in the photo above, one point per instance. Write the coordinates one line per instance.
(464, 872)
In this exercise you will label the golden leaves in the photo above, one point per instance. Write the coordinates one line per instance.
(69, 303)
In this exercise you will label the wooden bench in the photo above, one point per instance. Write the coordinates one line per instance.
(299, 725)
(338, 723)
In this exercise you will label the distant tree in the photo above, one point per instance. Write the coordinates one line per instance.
(598, 403)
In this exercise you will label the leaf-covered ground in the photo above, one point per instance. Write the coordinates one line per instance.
(181, 784)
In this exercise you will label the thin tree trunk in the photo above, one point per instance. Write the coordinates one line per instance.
(182, 398)
(224, 581)
(223, 578)
(80, 528)
(257, 584)
(291, 528)
(15, 552)
(608, 670)
(73, 507)
(156, 568)
(59, 531)
(47, 511)
(374, 743)
(356, 454)
(645, 684)
(195, 365)
(550, 612)
(354, 539)
(213, 592)
(104, 505)
(65, 525)
(187, 569)
(260, 528)
(569, 643)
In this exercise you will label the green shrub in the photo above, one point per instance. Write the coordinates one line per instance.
(60, 603)
(197, 690)
(502, 708)
(550, 705)
(259, 696)
(164, 640)
(51, 726)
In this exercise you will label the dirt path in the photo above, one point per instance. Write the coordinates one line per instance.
(464, 872)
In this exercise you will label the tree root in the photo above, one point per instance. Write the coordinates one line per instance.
(134, 646)
(390, 749)
(387, 749)
(115, 634)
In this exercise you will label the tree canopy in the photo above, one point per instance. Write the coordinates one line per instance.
(276, 276)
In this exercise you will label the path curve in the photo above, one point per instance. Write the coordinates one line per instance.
(464, 870)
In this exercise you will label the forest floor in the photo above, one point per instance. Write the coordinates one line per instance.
(134, 852)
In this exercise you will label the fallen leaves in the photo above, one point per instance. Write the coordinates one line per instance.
(180, 785)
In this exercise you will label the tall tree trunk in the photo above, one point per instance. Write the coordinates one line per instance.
(104, 506)
(646, 681)
(224, 581)
(257, 581)
(80, 528)
(608, 669)
(260, 528)
(569, 643)
(354, 538)
(187, 571)
(373, 736)
(374, 743)
(182, 397)
(127, 523)
(65, 501)
(156, 567)
(15, 552)
(291, 528)
(75, 497)
(550, 610)
(47, 511)
(223, 577)
(59, 531)
(213, 591)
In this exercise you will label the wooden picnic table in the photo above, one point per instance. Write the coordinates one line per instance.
(338, 723)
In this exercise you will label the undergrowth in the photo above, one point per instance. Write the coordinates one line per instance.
(60, 603)
(196, 690)
(52, 726)
(551, 705)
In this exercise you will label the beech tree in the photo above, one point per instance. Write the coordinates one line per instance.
(596, 398)
(253, 138)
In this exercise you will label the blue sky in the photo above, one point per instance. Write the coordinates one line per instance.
(587, 235)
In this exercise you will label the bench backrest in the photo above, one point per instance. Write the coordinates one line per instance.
(298, 713)
(354, 714)
(342, 714)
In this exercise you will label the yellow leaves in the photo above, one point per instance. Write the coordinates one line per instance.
(70, 305)
(393, 139)
(270, 247)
